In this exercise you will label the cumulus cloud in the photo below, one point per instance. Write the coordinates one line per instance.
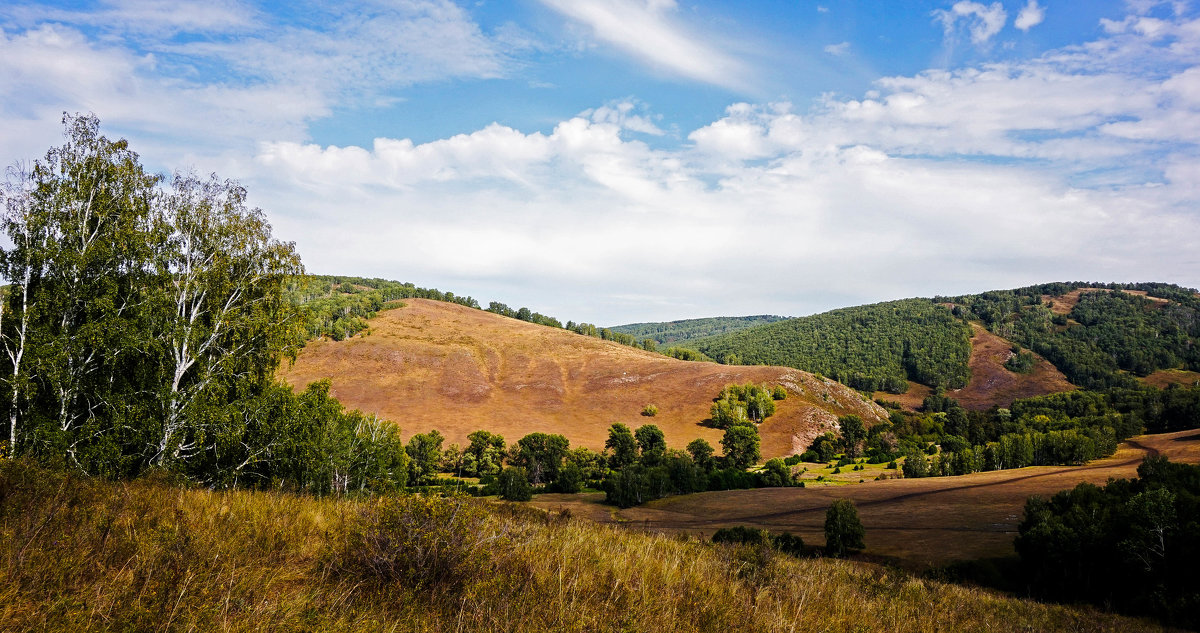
(983, 21)
(651, 31)
(944, 181)
(1030, 16)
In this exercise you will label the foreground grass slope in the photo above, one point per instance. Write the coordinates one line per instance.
(437, 365)
(86, 555)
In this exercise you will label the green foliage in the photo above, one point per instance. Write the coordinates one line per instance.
(843, 530)
(741, 404)
(513, 484)
(875, 347)
(689, 329)
(484, 456)
(541, 455)
(649, 410)
(338, 307)
(1131, 544)
(775, 474)
(651, 442)
(1021, 362)
(702, 453)
(741, 446)
(621, 447)
(425, 455)
(853, 433)
(1108, 335)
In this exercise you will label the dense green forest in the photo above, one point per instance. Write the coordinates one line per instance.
(872, 348)
(1131, 544)
(675, 332)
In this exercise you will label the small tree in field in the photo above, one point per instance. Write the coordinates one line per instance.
(513, 484)
(843, 530)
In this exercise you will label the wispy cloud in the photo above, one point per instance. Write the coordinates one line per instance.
(248, 76)
(983, 21)
(651, 31)
(838, 49)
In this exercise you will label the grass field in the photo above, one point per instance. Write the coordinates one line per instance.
(439, 365)
(915, 522)
(87, 555)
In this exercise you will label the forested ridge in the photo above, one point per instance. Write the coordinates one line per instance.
(672, 332)
(875, 347)
(1106, 339)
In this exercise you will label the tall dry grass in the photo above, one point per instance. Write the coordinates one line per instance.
(84, 555)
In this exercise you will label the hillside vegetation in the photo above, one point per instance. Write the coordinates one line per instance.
(674, 332)
(86, 555)
(877, 347)
(437, 365)
(1099, 335)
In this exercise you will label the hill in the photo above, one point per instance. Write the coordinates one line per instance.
(673, 332)
(438, 365)
(873, 347)
(1098, 335)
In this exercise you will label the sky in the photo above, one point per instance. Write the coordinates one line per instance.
(617, 161)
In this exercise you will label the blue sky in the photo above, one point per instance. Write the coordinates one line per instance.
(632, 160)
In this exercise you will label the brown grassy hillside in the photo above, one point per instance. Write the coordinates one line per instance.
(435, 365)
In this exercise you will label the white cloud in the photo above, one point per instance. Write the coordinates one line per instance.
(649, 30)
(983, 21)
(1030, 16)
(246, 79)
(838, 49)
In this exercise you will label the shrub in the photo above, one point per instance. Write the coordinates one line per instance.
(513, 484)
(425, 542)
(649, 410)
(843, 530)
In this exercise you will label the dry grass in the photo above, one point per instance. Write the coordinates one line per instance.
(83, 555)
(915, 522)
(437, 365)
(1164, 377)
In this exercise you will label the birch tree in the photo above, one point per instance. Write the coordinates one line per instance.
(225, 319)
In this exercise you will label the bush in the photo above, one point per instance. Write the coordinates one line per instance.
(513, 484)
(421, 541)
(649, 410)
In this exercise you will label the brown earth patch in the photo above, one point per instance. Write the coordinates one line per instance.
(1164, 377)
(1064, 303)
(436, 365)
(993, 385)
(918, 522)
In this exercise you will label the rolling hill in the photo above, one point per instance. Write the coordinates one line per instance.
(438, 365)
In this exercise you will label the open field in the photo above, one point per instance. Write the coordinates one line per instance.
(435, 365)
(917, 522)
(991, 384)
